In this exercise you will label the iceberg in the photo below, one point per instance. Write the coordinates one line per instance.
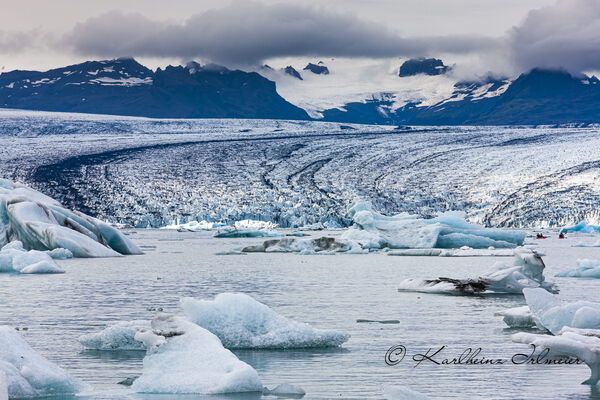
(518, 317)
(584, 344)
(305, 246)
(553, 314)
(464, 251)
(42, 223)
(405, 231)
(582, 227)
(242, 322)
(120, 336)
(14, 258)
(527, 271)
(585, 269)
(25, 373)
(185, 358)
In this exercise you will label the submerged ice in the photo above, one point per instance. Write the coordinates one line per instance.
(185, 358)
(41, 223)
(526, 271)
(405, 231)
(27, 373)
(242, 322)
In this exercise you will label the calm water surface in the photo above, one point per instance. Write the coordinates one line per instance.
(325, 291)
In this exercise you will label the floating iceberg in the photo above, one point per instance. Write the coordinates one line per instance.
(185, 358)
(583, 344)
(14, 258)
(585, 269)
(27, 373)
(518, 317)
(242, 322)
(120, 336)
(527, 271)
(582, 227)
(464, 251)
(305, 246)
(41, 223)
(553, 314)
(404, 231)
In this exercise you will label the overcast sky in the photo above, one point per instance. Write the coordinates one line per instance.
(521, 33)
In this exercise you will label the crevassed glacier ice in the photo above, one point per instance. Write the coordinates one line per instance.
(28, 374)
(585, 269)
(119, 336)
(518, 317)
(553, 314)
(41, 223)
(185, 358)
(242, 322)
(404, 231)
(583, 344)
(527, 271)
(583, 227)
(14, 258)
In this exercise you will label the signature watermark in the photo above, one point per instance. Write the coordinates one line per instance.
(442, 356)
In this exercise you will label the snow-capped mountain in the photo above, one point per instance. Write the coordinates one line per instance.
(125, 87)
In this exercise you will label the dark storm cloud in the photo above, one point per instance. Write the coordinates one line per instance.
(248, 33)
(565, 35)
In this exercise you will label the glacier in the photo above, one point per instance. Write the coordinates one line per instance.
(118, 336)
(583, 344)
(41, 223)
(185, 358)
(242, 322)
(405, 231)
(553, 314)
(585, 269)
(527, 271)
(27, 373)
(14, 258)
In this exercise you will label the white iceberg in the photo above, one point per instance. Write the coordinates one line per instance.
(404, 231)
(41, 223)
(554, 314)
(185, 358)
(582, 227)
(27, 373)
(464, 251)
(518, 317)
(120, 336)
(582, 344)
(585, 269)
(195, 226)
(242, 322)
(304, 246)
(14, 258)
(527, 271)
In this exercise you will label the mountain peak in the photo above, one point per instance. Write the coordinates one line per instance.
(427, 66)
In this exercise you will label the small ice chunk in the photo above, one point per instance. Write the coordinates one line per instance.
(585, 269)
(192, 360)
(13, 258)
(285, 390)
(27, 373)
(554, 314)
(60, 254)
(518, 317)
(242, 322)
(120, 336)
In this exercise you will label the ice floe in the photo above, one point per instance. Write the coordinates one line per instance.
(304, 246)
(186, 358)
(584, 344)
(582, 227)
(242, 322)
(404, 231)
(518, 317)
(119, 336)
(41, 223)
(553, 314)
(27, 373)
(527, 271)
(14, 258)
(585, 269)
(464, 251)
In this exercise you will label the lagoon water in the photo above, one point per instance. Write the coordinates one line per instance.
(325, 291)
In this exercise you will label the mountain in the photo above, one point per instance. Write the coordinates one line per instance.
(318, 69)
(534, 98)
(125, 87)
(427, 66)
(292, 72)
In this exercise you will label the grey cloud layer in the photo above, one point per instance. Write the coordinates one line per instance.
(248, 33)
